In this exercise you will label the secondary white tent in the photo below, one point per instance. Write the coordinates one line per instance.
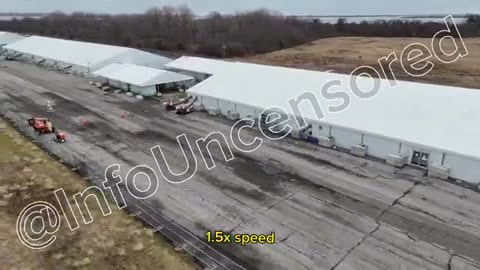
(7, 38)
(200, 68)
(140, 79)
(411, 118)
(82, 57)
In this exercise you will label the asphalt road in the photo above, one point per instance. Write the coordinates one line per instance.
(329, 210)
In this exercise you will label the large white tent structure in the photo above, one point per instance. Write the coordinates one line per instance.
(429, 126)
(79, 57)
(7, 38)
(142, 80)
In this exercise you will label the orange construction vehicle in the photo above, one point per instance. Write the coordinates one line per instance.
(41, 125)
(60, 137)
(45, 126)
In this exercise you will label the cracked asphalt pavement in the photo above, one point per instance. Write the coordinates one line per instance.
(329, 210)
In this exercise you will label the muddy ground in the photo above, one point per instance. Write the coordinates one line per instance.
(329, 210)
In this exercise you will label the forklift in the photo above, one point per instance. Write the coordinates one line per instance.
(45, 126)
(41, 125)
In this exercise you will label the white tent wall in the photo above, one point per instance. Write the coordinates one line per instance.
(198, 67)
(225, 107)
(83, 56)
(50, 63)
(246, 111)
(435, 156)
(321, 130)
(134, 56)
(120, 85)
(144, 90)
(463, 168)
(7, 38)
(183, 84)
(10, 52)
(208, 102)
(141, 79)
(139, 90)
(380, 147)
(142, 58)
(344, 138)
(79, 53)
(62, 66)
(396, 122)
(377, 147)
(282, 124)
(29, 58)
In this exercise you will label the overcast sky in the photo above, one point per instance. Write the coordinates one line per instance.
(287, 7)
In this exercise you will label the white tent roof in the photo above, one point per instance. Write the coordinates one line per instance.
(199, 65)
(7, 38)
(73, 52)
(440, 117)
(140, 75)
(78, 53)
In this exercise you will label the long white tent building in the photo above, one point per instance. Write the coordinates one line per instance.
(82, 58)
(429, 126)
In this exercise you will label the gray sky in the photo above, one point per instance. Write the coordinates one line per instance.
(288, 7)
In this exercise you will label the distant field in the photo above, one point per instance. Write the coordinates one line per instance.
(343, 54)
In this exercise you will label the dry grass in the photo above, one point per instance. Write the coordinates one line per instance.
(343, 55)
(117, 241)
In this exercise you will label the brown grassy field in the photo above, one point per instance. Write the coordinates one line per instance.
(344, 54)
(117, 241)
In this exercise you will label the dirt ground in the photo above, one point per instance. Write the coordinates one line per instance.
(345, 54)
(329, 210)
(117, 241)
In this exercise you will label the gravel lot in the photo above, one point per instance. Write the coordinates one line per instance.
(329, 210)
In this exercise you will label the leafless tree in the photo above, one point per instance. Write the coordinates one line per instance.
(177, 29)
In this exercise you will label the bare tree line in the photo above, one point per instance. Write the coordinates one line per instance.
(177, 29)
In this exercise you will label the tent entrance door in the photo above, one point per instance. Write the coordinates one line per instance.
(420, 159)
